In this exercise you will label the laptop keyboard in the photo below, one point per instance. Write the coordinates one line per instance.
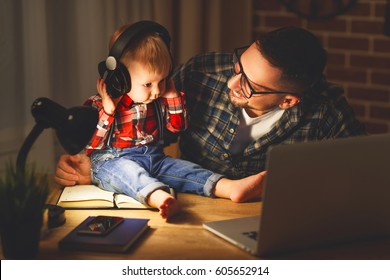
(251, 234)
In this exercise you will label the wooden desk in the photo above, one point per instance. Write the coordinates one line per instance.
(185, 238)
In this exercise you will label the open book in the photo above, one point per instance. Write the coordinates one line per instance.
(93, 197)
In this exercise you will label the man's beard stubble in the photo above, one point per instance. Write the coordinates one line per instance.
(236, 101)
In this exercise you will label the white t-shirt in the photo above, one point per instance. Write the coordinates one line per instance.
(251, 129)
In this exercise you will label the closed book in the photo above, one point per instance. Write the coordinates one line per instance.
(118, 240)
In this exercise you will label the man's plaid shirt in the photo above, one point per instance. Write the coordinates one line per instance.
(135, 124)
(214, 120)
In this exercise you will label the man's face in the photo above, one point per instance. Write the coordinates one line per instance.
(262, 76)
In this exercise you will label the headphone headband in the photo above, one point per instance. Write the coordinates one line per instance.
(135, 30)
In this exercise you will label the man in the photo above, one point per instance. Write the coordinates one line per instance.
(270, 93)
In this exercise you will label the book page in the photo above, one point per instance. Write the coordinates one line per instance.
(84, 196)
(124, 201)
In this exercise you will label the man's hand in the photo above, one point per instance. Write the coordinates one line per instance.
(72, 170)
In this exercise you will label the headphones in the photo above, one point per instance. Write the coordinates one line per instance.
(115, 74)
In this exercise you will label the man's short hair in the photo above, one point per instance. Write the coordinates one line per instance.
(297, 52)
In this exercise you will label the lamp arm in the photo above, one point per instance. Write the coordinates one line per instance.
(23, 152)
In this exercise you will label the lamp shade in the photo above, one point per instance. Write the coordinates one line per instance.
(74, 127)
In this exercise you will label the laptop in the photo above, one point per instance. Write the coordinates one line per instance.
(317, 194)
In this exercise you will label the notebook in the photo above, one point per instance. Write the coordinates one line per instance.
(93, 197)
(318, 194)
(118, 240)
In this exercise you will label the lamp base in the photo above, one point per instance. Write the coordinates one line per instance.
(56, 215)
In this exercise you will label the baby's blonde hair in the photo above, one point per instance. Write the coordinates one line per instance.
(148, 49)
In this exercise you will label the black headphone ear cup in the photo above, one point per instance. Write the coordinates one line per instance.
(117, 81)
(126, 84)
(102, 69)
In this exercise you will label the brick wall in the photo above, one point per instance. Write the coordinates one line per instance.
(358, 53)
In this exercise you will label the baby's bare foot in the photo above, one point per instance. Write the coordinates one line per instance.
(168, 206)
(248, 188)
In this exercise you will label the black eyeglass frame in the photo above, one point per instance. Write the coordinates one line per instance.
(244, 77)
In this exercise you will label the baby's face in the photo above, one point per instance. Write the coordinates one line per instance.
(146, 86)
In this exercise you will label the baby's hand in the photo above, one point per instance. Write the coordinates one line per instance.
(109, 104)
(171, 91)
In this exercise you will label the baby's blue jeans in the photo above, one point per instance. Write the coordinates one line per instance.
(139, 171)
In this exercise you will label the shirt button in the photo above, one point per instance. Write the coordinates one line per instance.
(231, 130)
(225, 155)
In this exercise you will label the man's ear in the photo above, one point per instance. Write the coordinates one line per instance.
(289, 101)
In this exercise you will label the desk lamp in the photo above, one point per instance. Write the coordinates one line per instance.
(74, 127)
(21, 207)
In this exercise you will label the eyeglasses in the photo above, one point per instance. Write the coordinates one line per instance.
(245, 84)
